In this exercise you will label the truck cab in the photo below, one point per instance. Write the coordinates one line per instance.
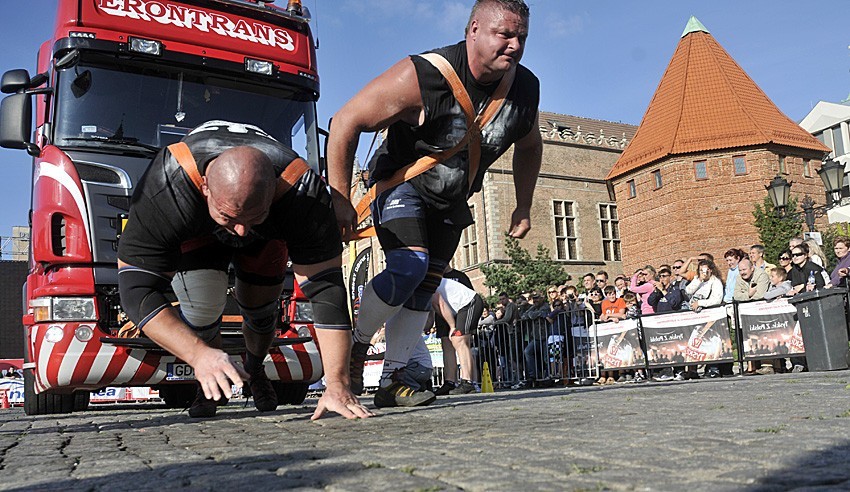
(120, 80)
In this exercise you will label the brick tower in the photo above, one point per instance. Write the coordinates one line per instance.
(708, 144)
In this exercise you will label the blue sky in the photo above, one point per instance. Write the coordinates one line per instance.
(600, 59)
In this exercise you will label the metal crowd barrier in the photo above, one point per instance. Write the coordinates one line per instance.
(539, 351)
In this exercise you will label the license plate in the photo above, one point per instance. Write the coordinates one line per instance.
(179, 372)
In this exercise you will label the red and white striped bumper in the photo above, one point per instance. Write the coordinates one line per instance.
(73, 364)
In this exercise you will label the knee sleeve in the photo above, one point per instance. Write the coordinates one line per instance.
(326, 291)
(205, 333)
(405, 271)
(202, 295)
(261, 320)
(421, 298)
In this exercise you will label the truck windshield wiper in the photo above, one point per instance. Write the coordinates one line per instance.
(128, 141)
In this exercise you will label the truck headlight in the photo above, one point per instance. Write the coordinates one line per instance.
(146, 46)
(259, 66)
(63, 309)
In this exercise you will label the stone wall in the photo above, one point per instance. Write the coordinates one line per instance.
(689, 215)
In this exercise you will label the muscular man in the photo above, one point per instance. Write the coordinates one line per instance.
(218, 199)
(419, 222)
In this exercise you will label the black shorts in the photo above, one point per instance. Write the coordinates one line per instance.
(403, 220)
(468, 316)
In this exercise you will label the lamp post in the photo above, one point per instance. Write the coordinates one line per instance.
(779, 189)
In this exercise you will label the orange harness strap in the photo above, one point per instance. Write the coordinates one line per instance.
(288, 177)
(474, 124)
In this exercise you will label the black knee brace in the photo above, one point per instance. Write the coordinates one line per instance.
(326, 291)
(261, 320)
(205, 333)
(421, 298)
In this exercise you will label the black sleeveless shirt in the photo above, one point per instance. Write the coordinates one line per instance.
(167, 209)
(445, 187)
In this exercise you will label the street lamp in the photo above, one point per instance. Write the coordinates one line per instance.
(832, 175)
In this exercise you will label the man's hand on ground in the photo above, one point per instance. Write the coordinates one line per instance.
(216, 373)
(339, 398)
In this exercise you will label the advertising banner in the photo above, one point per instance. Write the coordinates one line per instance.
(357, 279)
(770, 329)
(687, 337)
(618, 345)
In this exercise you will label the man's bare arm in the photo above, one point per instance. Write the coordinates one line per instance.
(392, 96)
(335, 349)
(528, 156)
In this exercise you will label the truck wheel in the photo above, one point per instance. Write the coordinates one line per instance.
(178, 395)
(290, 393)
(44, 403)
(81, 400)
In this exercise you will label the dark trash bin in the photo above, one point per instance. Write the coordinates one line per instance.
(824, 328)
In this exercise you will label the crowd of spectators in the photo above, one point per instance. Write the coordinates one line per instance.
(694, 284)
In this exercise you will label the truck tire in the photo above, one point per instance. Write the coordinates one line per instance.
(290, 393)
(44, 403)
(81, 400)
(178, 395)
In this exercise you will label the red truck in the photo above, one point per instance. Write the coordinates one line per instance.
(118, 81)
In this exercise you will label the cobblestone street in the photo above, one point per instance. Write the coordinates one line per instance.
(780, 432)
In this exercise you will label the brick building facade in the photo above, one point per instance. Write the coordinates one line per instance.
(708, 144)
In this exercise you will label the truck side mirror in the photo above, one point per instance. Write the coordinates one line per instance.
(16, 122)
(15, 80)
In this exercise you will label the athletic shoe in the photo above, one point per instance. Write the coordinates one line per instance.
(203, 407)
(521, 385)
(399, 394)
(712, 372)
(765, 370)
(663, 377)
(463, 388)
(446, 388)
(680, 376)
(265, 397)
(621, 379)
(629, 378)
(638, 378)
(610, 381)
(601, 380)
(798, 368)
(355, 366)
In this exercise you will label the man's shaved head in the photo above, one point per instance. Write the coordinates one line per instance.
(240, 186)
(241, 178)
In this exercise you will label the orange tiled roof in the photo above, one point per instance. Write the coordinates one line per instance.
(705, 101)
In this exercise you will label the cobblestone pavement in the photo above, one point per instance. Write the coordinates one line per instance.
(762, 433)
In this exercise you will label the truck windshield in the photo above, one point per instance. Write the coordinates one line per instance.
(115, 106)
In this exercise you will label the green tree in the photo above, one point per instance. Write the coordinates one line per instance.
(524, 272)
(775, 232)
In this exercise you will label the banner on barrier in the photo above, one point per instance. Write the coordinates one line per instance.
(618, 345)
(688, 337)
(770, 329)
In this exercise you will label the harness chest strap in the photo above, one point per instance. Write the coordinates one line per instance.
(472, 138)
(288, 177)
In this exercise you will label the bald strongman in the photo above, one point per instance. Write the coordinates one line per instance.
(231, 194)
